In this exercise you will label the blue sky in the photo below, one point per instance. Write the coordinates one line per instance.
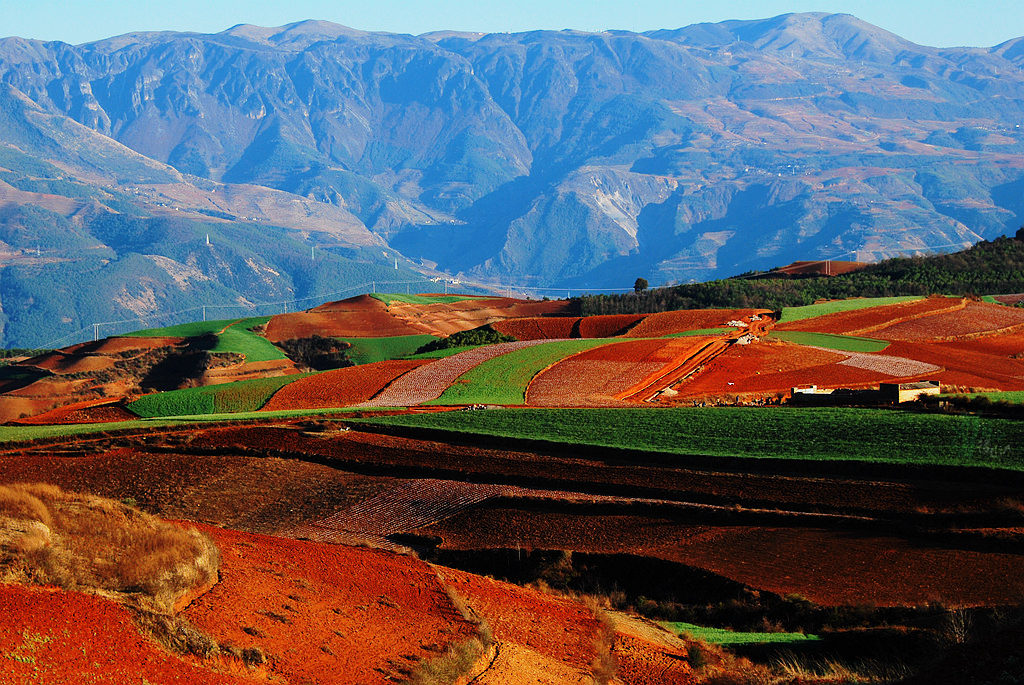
(930, 22)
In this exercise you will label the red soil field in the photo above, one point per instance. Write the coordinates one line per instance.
(69, 637)
(340, 387)
(667, 323)
(537, 327)
(92, 411)
(640, 662)
(1010, 299)
(319, 610)
(864, 321)
(827, 567)
(118, 345)
(607, 325)
(976, 362)
(246, 370)
(429, 381)
(599, 375)
(58, 362)
(361, 316)
(821, 268)
(552, 626)
(768, 368)
(975, 319)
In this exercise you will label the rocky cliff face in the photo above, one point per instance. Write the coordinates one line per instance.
(552, 158)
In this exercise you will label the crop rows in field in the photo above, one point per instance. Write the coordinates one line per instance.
(790, 314)
(370, 350)
(504, 379)
(866, 320)
(976, 318)
(829, 341)
(788, 433)
(427, 382)
(226, 398)
(339, 387)
(898, 367)
(669, 323)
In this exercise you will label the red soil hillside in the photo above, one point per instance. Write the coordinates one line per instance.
(667, 323)
(340, 387)
(445, 318)
(358, 317)
(866, 321)
(537, 327)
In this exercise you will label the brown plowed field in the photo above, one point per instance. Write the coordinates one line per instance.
(597, 376)
(607, 325)
(557, 628)
(769, 368)
(359, 317)
(267, 369)
(58, 638)
(318, 611)
(667, 323)
(428, 382)
(864, 321)
(968, 363)
(827, 567)
(92, 411)
(977, 318)
(537, 327)
(58, 362)
(116, 345)
(340, 387)
(641, 662)
(445, 318)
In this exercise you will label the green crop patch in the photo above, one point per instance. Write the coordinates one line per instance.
(835, 306)
(184, 330)
(504, 379)
(811, 433)
(722, 636)
(388, 298)
(844, 343)
(369, 350)
(226, 398)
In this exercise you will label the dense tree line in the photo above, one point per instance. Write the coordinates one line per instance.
(989, 267)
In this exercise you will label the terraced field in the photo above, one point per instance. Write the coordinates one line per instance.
(504, 379)
(370, 350)
(429, 381)
(791, 314)
(226, 398)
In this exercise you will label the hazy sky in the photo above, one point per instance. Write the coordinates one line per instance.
(930, 22)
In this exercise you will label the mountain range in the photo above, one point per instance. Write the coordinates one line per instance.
(152, 172)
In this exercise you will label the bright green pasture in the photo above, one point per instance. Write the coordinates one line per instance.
(369, 350)
(832, 307)
(845, 343)
(722, 636)
(240, 396)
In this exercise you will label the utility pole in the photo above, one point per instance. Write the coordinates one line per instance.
(374, 286)
(204, 312)
(312, 253)
(95, 332)
(446, 285)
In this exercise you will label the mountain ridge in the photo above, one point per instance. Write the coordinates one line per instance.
(548, 158)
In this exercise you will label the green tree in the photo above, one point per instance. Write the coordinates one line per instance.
(640, 285)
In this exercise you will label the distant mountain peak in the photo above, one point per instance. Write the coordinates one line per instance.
(298, 35)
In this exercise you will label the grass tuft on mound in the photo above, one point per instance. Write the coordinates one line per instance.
(226, 398)
(835, 306)
(831, 341)
(87, 543)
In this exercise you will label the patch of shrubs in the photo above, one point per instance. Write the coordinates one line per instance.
(317, 352)
(484, 335)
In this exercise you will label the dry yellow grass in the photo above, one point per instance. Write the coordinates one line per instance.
(93, 544)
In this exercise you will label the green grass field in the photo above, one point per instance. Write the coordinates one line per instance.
(388, 298)
(438, 354)
(721, 636)
(812, 310)
(369, 350)
(184, 330)
(1011, 396)
(241, 396)
(504, 379)
(702, 331)
(237, 337)
(814, 433)
(845, 343)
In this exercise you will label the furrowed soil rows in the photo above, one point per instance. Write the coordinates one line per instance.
(359, 317)
(429, 381)
(607, 325)
(667, 323)
(864, 321)
(981, 362)
(600, 375)
(976, 318)
(899, 367)
(92, 411)
(828, 567)
(537, 327)
(408, 506)
(340, 387)
(320, 610)
(445, 319)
